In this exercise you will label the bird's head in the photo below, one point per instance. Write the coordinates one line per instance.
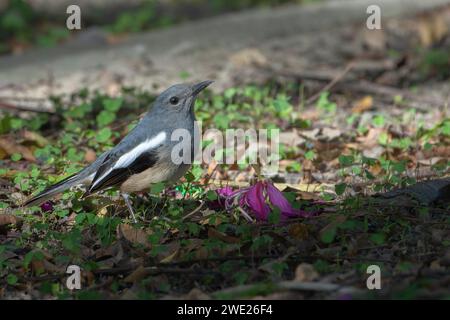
(180, 97)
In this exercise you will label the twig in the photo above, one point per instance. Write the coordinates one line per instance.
(286, 285)
(202, 203)
(385, 93)
(330, 85)
(22, 98)
(314, 286)
(389, 93)
(7, 106)
(125, 270)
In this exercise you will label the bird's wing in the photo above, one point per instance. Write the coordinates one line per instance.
(129, 157)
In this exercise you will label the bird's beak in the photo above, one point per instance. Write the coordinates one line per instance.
(196, 88)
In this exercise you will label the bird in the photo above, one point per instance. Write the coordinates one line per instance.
(144, 156)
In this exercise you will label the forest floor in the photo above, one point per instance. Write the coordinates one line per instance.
(360, 125)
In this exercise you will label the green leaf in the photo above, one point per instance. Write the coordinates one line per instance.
(378, 121)
(274, 216)
(16, 156)
(383, 138)
(211, 195)
(325, 104)
(11, 279)
(221, 121)
(328, 235)
(112, 105)
(378, 238)
(340, 188)
(294, 167)
(310, 155)
(105, 117)
(157, 188)
(104, 135)
(346, 161)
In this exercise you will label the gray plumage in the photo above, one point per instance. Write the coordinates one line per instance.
(144, 155)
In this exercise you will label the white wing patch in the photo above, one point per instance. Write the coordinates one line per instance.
(128, 158)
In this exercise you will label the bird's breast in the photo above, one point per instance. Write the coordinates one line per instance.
(165, 172)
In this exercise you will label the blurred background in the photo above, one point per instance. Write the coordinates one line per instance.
(25, 24)
(363, 119)
(217, 38)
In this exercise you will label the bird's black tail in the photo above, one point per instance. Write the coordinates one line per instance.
(54, 189)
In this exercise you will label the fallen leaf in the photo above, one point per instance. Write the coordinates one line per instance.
(305, 273)
(170, 253)
(370, 140)
(137, 275)
(3, 154)
(374, 40)
(248, 57)
(298, 231)
(291, 138)
(436, 266)
(35, 137)
(89, 277)
(133, 235)
(7, 219)
(197, 294)
(329, 134)
(431, 28)
(215, 234)
(10, 148)
(37, 266)
(90, 155)
(363, 104)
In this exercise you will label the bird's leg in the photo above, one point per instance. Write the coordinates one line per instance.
(126, 197)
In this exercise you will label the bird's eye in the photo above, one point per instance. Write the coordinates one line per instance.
(174, 100)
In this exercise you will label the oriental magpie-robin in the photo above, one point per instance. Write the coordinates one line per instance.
(142, 157)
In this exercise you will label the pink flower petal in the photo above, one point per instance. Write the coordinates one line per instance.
(277, 198)
(225, 192)
(256, 200)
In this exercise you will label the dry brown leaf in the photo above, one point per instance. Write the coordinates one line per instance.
(248, 57)
(437, 151)
(370, 140)
(35, 137)
(215, 234)
(10, 148)
(196, 294)
(363, 104)
(201, 253)
(140, 273)
(376, 169)
(133, 235)
(170, 253)
(374, 40)
(432, 28)
(3, 154)
(6, 219)
(329, 134)
(214, 222)
(291, 138)
(301, 188)
(37, 266)
(90, 155)
(89, 277)
(305, 273)
(298, 231)
(50, 267)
